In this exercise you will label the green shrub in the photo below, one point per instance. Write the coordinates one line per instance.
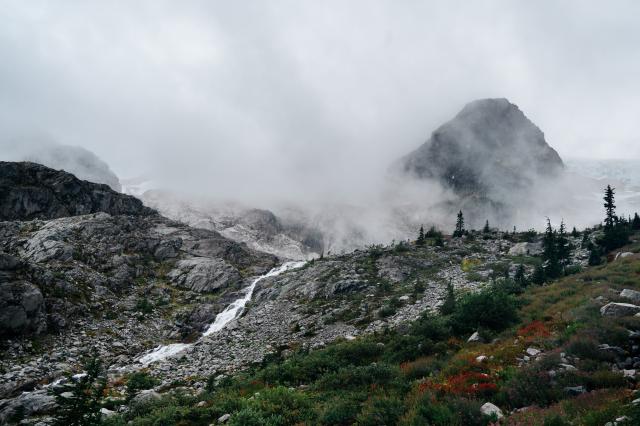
(586, 348)
(431, 327)
(139, 381)
(430, 412)
(490, 308)
(340, 411)
(380, 410)
(530, 386)
(555, 420)
(144, 306)
(282, 406)
(250, 417)
(387, 311)
(304, 368)
(467, 412)
(359, 377)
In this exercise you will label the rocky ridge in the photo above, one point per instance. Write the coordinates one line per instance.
(32, 191)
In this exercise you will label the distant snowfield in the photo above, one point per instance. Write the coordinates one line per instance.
(624, 175)
(626, 172)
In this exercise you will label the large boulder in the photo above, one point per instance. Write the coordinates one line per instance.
(204, 274)
(32, 191)
(614, 309)
(632, 295)
(21, 309)
(489, 409)
(27, 404)
(525, 249)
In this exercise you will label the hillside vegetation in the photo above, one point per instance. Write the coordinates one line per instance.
(545, 355)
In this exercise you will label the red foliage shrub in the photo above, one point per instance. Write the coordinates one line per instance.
(468, 383)
(534, 330)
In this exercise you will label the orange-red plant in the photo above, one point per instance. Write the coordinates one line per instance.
(468, 383)
(534, 330)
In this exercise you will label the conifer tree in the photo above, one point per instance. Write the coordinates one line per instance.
(635, 223)
(594, 256)
(538, 276)
(562, 244)
(79, 400)
(519, 277)
(420, 241)
(459, 232)
(486, 228)
(575, 233)
(610, 207)
(616, 230)
(585, 239)
(550, 252)
(449, 304)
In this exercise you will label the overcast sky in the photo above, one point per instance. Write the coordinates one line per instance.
(255, 93)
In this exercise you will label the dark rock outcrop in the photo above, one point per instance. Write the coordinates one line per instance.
(21, 308)
(32, 191)
(489, 150)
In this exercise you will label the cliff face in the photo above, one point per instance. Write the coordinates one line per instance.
(489, 150)
(32, 191)
(74, 252)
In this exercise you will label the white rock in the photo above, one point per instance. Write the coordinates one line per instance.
(482, 358)
(488, 409)
(106, 413)
(623, 255)
(524, 249)
(532, 351)
(631, 295)
(224, 418)
(475, 337)
(146, 396)
(614, 309)
(629, 373)
(568, 367)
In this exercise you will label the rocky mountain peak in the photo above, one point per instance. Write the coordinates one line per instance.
(32, 191)
(490, 148)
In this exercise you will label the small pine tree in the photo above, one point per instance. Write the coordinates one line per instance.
(449, 304)
(575, 233)
(550, 252)
(610, 207)
(519, 277)
(635, 223)
(616, 230)
(418, 287)
(82, 407)
(538, 276)
(594, 257)
(486, 228)
(563, 247)
(433, 233)
(585, 239)
(420, 241)
(459, 232)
